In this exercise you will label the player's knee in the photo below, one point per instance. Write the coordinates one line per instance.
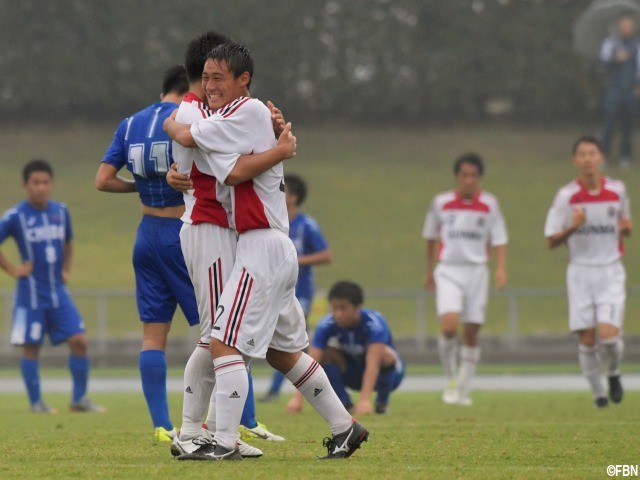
(78, 344)
(588, 337)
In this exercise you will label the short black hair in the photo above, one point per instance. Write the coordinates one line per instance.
(197, 51)
(175, 80)
(586, 139)
(346, 290)
(36, 165)
(236, 56)
(470, 158)
(295, 185)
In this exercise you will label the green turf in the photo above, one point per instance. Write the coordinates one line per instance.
(504, 435)
(369, 189)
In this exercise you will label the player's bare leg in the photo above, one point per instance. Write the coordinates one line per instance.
(153, 373)
(590, 364)
(469, 358)
(611, 350)
(448, 353)
(311, 381)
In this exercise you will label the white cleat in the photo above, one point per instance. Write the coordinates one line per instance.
(258, 432)
(247, 451)
(465, 401)
(179, 447)
(450, 393)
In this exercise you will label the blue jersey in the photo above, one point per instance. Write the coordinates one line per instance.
(373, 328)
(305, 234)
(40, 236)
(141, 144)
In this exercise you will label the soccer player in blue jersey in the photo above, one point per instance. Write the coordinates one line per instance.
(312, 250)
(42, 231)
(355, 347)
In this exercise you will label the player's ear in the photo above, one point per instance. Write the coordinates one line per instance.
(245, 78)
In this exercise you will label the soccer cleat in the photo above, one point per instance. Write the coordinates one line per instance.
(464, 401)
(41, 407)
(179, 447)
(86, 405)
(248, 451)
(615, 389)
(601, 402)
(345, 444)
(161, 434)
(381, 408)
(450, 393)
(212, 452)
(258, 432)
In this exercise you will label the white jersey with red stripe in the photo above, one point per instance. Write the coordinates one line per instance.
(465, 228)
(243, 127)
(597, 241)
(203, 203)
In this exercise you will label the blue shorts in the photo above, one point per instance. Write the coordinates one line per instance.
(388, 380)
(31, 325)
(162, 280)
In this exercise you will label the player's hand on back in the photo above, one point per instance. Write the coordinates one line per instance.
(578, 217)
(22, 270)
(287, 142)
(177, 181)
(276, 118)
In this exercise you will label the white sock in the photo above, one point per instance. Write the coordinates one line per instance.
(232, 385)
(469, 358)
(448, 352)
(590, 364)
(199, 380)
(611, 352)
(210, 422)
(309, 378)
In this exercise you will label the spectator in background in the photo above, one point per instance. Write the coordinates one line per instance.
(620, 59)
(312, 250)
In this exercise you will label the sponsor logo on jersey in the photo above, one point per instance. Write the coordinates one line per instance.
(464, 235)
(612, 211)
(45, 233)
(597, 230)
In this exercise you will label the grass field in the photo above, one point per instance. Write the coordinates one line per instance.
(369, 189)
(504, 435)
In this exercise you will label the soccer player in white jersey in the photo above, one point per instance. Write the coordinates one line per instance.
(208, 244)
(258, 314)
(462, 225)
(591, 215)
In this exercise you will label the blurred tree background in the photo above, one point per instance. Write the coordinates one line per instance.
(378, 62)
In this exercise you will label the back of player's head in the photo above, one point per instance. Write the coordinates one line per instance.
(346, 290)
(236, 56)
(295, 185)
(471, 159)
(197, 51)
(37, 165)
(175, 80)
(586, 139)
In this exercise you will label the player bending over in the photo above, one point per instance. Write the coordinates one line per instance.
(591, 215)
(355, 347)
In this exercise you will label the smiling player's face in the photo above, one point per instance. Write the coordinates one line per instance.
(219, 84)
(39, 186)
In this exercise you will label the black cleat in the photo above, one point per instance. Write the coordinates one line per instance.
(601, 402)
(346, 443)
(212, 451)
(381, 408)
(615, 389)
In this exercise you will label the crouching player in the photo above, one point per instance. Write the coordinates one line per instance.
(355, 347)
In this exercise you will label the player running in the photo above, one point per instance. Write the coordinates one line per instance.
(591, 215)
(464, 223)
(258, 314)
(42, 231)
(208, 244)
(312, 250)
(355, 347)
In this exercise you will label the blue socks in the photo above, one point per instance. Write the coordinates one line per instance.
(248, 418)
(153, 372)
(79, 367)
(31, 377)
(276, 382)
(335, 378)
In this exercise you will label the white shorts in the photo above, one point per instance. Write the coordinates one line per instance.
(597, 294)
(258, 309)
(462, 289)
(209, 252)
